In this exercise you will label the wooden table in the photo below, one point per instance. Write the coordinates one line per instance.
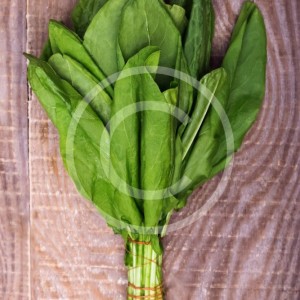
(53, 243)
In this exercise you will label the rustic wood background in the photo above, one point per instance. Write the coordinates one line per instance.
(53, 243)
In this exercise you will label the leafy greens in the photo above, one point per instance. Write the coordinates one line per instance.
(140, 114)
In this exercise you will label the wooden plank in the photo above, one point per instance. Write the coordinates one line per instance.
(14, 184)
(245, 247)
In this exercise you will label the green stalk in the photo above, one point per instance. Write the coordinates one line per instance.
(144, 270)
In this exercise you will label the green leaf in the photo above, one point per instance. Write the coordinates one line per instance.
(152, 26)
(245, 63)
(185, 85)
(79, 129)
(84, 82)
(84, 12)
(197, 165)
(198, 41)
(101, 37)
(47, 51)
(178, 15)
(125, 130)
(157, 149)
(171, 202)
(171, 97)
(64, 41)
(199, 113)
(246, 11)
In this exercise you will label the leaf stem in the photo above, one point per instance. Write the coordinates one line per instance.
(144, 270)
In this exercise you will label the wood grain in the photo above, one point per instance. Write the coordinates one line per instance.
(14, 188)
(245, 247)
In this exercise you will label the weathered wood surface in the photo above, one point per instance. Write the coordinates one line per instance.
(14, 183)
(245, 247)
